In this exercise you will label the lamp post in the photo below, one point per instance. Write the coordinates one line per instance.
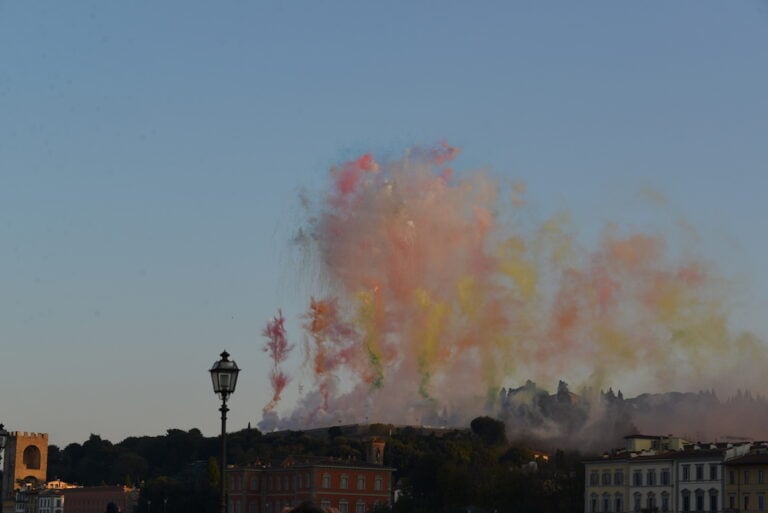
(224, 376)
(3, 438)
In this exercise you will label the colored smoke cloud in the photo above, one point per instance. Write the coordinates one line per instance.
(439, 294)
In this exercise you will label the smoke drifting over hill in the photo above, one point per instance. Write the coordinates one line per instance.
(598, 420)
(438, 290)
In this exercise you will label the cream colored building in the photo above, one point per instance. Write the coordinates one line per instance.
(699, 473)
(637, 478)
(632, 482)
(668, 474)
(606, 484)
(651, 486)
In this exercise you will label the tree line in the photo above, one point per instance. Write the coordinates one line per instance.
(474, 469)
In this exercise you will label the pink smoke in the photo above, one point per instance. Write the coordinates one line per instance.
(278, 349)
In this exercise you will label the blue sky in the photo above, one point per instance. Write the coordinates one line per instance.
(151, 156)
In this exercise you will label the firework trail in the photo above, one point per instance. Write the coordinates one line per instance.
(278, 349)
(335, 343)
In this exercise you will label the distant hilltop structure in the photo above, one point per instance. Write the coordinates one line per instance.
(596, 419)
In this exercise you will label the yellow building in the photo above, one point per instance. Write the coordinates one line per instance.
(746, 486)
(638, 443)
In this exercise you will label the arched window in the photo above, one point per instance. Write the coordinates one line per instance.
(30, 483)
(606, 502)
(713, 502)
(686, 500)
(664, 501)
(618, 503)
(378, 483)
(699, 499)
(593, 503)
(31, 457)
(638, 500)
(651, 504)
(344, 481)
(326, 480)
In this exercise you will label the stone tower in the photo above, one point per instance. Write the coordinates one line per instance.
(25, 459)
(374, 451)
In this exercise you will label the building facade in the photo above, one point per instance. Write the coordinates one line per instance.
(50, 501)
(700, 475)
(638, 478)
(651, 487)
(665, 475)
(746, 488)
(606, 485)
(94, 499)
(349, 486)
(73, 499)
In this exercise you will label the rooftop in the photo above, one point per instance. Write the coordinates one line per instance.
(634, 456)
(749, 459)
(308, 462)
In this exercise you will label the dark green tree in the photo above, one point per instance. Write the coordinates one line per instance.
(489, 430)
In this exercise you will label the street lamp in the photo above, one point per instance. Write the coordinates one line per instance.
(3, 438)
(224, 376)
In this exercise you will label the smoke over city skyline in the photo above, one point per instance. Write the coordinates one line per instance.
(437, 287)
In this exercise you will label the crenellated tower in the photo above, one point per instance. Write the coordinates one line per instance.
(25, 463)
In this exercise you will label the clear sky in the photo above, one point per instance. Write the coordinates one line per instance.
(152, 153)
